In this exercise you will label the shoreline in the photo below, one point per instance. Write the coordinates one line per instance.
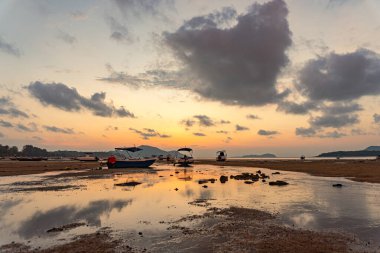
(356, 170)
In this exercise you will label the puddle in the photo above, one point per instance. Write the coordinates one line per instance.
(170, 193)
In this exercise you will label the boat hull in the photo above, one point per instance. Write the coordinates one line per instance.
(143, 163)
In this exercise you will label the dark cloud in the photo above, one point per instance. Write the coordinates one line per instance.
(199, 134)
(188, 122)
(342, 108)
(204, 120)
(8, 108)
(358, 131)
(340, 77)
(61, 96)
(148, 133)
(31, 127)
(9, 48)
(224, 121)
(334, 121)
(267, 132)
(306, 132)
(13, 112)
(66, 37)
(376, 118)
(294, 108)
(55, 129)
(334, 135)
(119, 32)
(252, 116)
(238, 64)
(5, 124)
(241, 128)
(222, 132)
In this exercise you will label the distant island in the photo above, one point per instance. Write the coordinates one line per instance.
(370, 151)
(257, 156)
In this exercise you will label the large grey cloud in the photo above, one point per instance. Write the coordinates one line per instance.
(63, 97)
(238, 64)
(340, 77)
(9, 48)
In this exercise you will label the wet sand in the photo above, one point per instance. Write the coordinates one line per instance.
(231, 229)
(357, 170)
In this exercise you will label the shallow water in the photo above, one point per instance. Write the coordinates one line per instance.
(26, 212)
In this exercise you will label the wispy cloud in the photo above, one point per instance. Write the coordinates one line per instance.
(55, 129)
(9, 48)
(148, 133)
(241, 128)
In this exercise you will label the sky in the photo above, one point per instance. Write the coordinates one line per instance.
(289, 77)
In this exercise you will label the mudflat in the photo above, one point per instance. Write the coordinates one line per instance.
(356, 170)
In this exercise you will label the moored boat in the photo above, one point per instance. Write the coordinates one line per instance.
(129, 162)
(221, 156)
(186, 157)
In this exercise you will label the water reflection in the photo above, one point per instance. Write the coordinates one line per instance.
(307, 202)
(40, 222)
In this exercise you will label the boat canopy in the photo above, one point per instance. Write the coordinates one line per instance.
(185, 149)
(221, 151)
(130, 149)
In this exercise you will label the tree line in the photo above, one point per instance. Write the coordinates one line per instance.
(32, 151)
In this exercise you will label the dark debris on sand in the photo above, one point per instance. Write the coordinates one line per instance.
(237, 229)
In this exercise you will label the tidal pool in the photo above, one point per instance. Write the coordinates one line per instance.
(30, 205)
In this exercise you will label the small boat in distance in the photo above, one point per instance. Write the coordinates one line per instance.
(187, 157)
(129, 162)
(221, 156)
(89, 157)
